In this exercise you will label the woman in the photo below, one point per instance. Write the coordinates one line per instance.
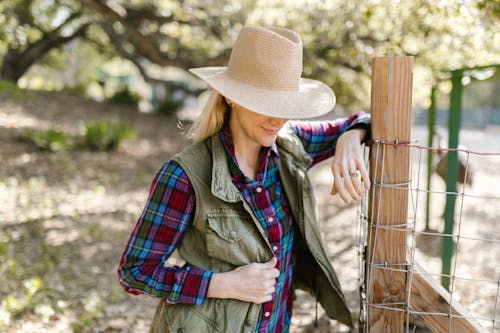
(237, 204)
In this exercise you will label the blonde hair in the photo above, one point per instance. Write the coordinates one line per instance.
(211, 119)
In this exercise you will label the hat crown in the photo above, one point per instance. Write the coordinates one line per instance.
(269, 58)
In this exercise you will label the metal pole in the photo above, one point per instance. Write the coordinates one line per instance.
(431, 127)
(451, 173)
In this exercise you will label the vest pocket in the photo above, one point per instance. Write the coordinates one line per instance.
(233, 239)
(207, 317)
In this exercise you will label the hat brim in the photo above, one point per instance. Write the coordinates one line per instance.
(313, 98)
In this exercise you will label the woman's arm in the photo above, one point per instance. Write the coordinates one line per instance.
(342, 139)
(320, 137)
(167, 214)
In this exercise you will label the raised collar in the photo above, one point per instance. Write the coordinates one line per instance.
(222, 187)
(227, 139)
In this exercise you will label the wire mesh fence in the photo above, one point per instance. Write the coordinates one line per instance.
(474, 275)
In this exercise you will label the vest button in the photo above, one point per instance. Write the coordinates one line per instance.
(248, 322)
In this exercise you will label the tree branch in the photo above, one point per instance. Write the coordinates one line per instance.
(68, 20)
(142, 43)
(143, 14)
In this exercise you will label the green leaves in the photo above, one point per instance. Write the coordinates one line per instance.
(95, 135)
(48, 139)
(99, 135)
(340, 37)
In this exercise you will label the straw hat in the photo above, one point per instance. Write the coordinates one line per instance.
(264, 76)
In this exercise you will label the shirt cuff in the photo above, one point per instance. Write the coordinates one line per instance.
(191, 286)
(363, 120)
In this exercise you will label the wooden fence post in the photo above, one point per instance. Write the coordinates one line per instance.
(389, 167)
(388, 269)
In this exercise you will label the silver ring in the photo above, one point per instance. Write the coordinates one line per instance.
(355, 174)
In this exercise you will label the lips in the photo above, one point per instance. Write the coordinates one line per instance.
(270, 131)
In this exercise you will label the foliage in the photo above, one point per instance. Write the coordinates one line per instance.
(69, 68)
(8, 86)
(124, 97)
(96, 135)
(105, 135)
(340, 37)
(170, 105)
(49, 139)
(24, 285)
(77, 89)
(92, 310)
(13, 90)
(30, 29)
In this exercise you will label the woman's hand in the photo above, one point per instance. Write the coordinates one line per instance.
(349, 171)
(254, 283)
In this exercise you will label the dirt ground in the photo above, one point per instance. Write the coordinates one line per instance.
(65, 218)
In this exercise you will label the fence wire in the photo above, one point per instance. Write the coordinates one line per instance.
(477, 282)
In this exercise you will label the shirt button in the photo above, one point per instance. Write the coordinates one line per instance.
(258, 189)
(275, 248)
(270, 219)
(267, 314)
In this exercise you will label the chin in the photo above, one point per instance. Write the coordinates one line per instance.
(267, 143)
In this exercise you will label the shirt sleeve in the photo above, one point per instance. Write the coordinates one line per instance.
(167, 214)
(319, 138)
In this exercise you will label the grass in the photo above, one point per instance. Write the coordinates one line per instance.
(18, 94)
(105, 135)
(96, 135)
(35, 280)
(49, 139)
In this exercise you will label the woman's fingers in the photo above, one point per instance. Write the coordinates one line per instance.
(356, 183)
(348, 168)
(263, 299)
(354, 177)
(271, 263)
(348, 183)
(255, 282)
(364, 174)
(338, 184)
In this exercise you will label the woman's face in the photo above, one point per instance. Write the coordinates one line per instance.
(253, 127)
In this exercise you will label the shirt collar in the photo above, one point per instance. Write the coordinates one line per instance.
(237, 175)
(227, 139)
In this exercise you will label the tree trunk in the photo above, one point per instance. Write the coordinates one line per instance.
(11, 66)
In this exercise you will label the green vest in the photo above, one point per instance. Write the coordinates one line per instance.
(226, 234)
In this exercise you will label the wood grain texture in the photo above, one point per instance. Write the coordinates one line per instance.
(429, 296)
(389, 164)
(388, 278)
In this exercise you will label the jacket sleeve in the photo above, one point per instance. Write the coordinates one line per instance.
(319, 138)
(167, 214)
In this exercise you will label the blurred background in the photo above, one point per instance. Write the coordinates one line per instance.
(94, 96)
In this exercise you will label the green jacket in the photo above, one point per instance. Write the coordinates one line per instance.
(225, 234)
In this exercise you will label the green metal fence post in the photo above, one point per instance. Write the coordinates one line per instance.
(451, 173)
(431, 125)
